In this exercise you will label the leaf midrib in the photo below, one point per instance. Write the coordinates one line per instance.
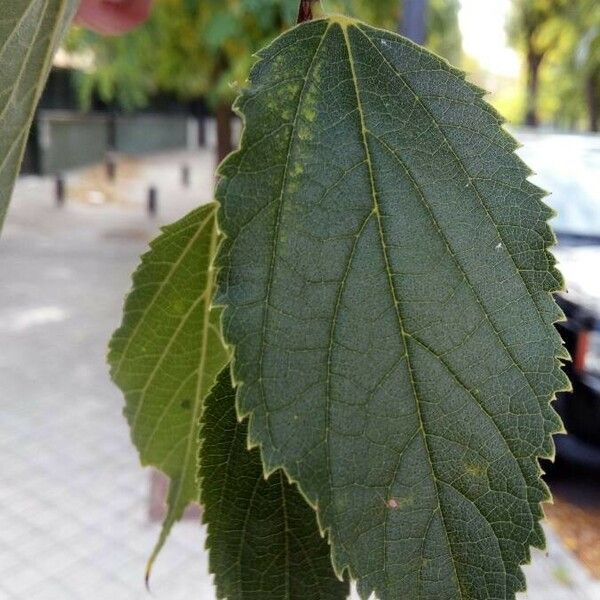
(463, 168)
(205, 297)
(486, 316)
(207, 308)
(402, 332)
(444, 237)
(454, 257)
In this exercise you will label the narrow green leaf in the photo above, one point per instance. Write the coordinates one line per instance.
(168, 351)
(263, 537)
(30, 31)
(387, 287)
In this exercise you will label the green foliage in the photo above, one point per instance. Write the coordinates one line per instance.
(29, 34)
(263, 537)
(197, 49)
(121, 71)
(534, 25)
(444, 35)
(387, 292)
(563, 39)
(187, 47)
(168, 351)
(571, 80)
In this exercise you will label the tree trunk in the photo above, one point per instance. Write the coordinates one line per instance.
(533, 78)
(593, 100)
(224, 131)
(413, 23)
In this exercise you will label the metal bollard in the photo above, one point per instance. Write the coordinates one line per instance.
(111, 168)
(152, 201)
(60, 190)
(185, 176)
(202, 131)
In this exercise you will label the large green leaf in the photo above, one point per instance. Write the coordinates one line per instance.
(30, 31)
(168, 351)
(263, 537)
(388, 287)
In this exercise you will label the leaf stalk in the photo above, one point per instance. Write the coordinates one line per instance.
(305, 12)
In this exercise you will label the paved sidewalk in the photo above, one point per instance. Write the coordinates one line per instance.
(73, 500)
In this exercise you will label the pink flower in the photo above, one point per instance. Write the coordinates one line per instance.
(112, 17)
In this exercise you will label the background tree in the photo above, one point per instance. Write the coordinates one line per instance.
(590, 57)
(443, 30)
(204, 49)
(561, 43)
(188, 48)
(572, 80)
(534, 28)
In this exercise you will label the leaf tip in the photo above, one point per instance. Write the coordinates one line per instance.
(147, 574)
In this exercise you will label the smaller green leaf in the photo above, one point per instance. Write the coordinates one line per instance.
(29, 34)
(167, 353)
(263, 537)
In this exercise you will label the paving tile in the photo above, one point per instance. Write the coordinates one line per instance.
(21, 579)
(50, 590)
(9, 560)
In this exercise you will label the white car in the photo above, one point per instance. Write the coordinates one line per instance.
(568, 166)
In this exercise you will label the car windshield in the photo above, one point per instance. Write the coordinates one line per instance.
(568, 166)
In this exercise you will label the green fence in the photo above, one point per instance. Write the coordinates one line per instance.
(67, 140)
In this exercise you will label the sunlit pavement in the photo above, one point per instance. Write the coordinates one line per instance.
(73, 498)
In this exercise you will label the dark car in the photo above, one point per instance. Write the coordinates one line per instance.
(569, 167)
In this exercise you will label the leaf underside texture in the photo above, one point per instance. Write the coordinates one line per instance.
(30, 32)
(388, 292)
(167, 353)
(263, 537)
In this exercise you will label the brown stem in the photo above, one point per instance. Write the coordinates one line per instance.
(305, 11)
